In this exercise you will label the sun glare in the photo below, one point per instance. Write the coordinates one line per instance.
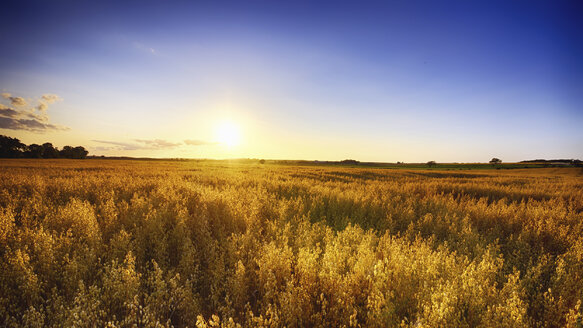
(227, 133)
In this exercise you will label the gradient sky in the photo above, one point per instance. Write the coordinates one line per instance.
(450, 81)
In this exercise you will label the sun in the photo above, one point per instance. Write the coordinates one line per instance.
(228, 134)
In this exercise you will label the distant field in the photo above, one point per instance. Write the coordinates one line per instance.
(127, 243)
(421, 166)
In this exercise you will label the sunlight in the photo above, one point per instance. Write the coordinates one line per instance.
(228, 133)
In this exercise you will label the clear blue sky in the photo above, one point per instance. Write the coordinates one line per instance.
(408, 81)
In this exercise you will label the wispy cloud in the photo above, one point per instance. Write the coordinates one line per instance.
(46, 99)
(149, 144)
(50, 98)
(29, 125)
(154, 144)
(42, 107)
(7, 111)
(158, 143)
(199, 142)
(14, 101)
(118, 145)
(22, 117)
(142, 47)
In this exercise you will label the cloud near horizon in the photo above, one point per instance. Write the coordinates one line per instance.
(26, 119)
(199, 142)
(148, 144)
(158, 143)
(117, 145)
(139, 144)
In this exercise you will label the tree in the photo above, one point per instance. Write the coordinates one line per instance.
(66, 152)
(495, 161)
(49, 151)
(34, 151)
(73, 152)
(350, 162)
(431, 163)
(11, 147)
(79, 152)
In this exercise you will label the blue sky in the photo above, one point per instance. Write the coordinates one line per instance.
(375, 81)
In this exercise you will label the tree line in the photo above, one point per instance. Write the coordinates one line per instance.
(13, 148)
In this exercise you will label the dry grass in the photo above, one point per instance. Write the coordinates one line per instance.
(147, 244)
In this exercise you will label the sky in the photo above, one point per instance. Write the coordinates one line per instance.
(387, 81)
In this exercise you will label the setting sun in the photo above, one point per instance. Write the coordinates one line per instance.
(228, 133)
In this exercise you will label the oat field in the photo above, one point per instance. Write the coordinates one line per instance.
(96, 243)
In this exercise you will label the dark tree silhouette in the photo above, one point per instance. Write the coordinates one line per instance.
(495, 161)
(431, 163)
(79, 152)
(73, 152)
(11, 147)
(49, 151)
(350, 162)
(66, 152)
(34, 151)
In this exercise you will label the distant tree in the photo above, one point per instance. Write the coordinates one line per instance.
(34, 151)
(262, 161)
(73, 152)
(495, 161)
(66, 152)
(80, 152)
(49, 151)
(11, 147)
(431, 163)
(350, 162)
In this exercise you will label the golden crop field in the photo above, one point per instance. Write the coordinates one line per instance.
(95, 243)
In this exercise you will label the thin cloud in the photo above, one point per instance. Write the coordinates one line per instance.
(18, 101)
(118, 145)
(14, 101)
(101, 148)
(25, 118)
(199, 142)
(29, 125)
(158, 143)
(7, 111)
(46, 99)
(42, 107)
(139, 145)
(142, 47)
(50, 98)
